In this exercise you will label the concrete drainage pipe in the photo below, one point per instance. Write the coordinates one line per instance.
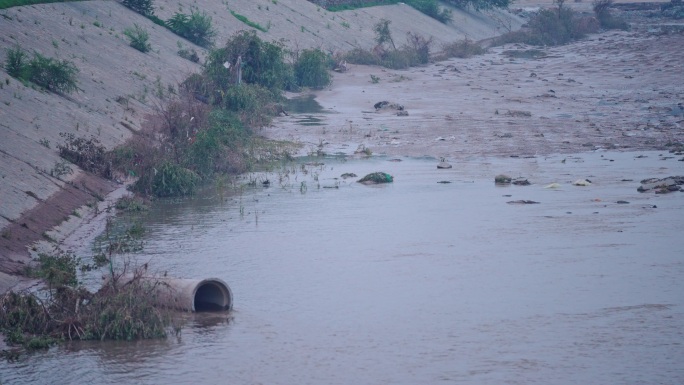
(211, 294)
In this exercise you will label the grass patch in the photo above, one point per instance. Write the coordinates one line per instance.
(250, 23)
(51, 74)
(550, 27)
(18, 3)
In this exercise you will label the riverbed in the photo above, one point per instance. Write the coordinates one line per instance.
(434, 278)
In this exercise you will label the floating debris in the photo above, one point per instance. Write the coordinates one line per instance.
(348, 175)
(553, 185)
(522, 202)
(662, 186)
(443, 164)
(376, 178)
(502, 179)
(582, 182)
(521, 182)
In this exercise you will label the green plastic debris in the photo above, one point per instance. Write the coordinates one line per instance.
(376, 177)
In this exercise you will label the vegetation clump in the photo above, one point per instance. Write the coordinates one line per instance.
(125, 308)
(139, 38)
(143, 7)
(416, 51)
(552, 26)
(195, 27)
(605, 17)
(49, 73)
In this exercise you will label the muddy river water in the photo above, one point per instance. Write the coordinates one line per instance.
(416, 282)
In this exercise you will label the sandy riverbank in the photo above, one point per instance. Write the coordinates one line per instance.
(613, 90)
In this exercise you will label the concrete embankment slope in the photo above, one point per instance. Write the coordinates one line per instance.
(120, 86)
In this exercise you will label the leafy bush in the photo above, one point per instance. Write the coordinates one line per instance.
(311, 69)
(262, 63)
(56, 270)
(250, 103)
(16, 63)
(138, 38)
(51, 74)
(195, 27)
(143, 7)
(173, 180)
(212, 147)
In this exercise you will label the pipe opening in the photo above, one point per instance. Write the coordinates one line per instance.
(212, 296)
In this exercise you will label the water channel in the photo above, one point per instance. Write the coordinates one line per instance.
(434, 278)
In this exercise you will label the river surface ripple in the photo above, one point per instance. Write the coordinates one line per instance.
(416, 282)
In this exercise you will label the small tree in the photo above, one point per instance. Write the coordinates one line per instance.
(383, 34)
(311, 69)
(138, 38)
(143, 7)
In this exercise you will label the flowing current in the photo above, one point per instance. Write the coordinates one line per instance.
(415, 282)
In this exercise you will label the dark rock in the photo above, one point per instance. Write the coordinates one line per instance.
(521, 182)
(622, 202)
(502, 179)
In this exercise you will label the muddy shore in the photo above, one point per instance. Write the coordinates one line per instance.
(617, 90)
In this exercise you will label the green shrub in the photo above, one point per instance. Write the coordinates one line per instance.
(52, 74)
(56, 270)
(143, 7)
(172, 179)
(212, 148)
(250, 103)
(195, 27)
(138, 38)
(262, 63)
(16, 63)
(311, 69)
